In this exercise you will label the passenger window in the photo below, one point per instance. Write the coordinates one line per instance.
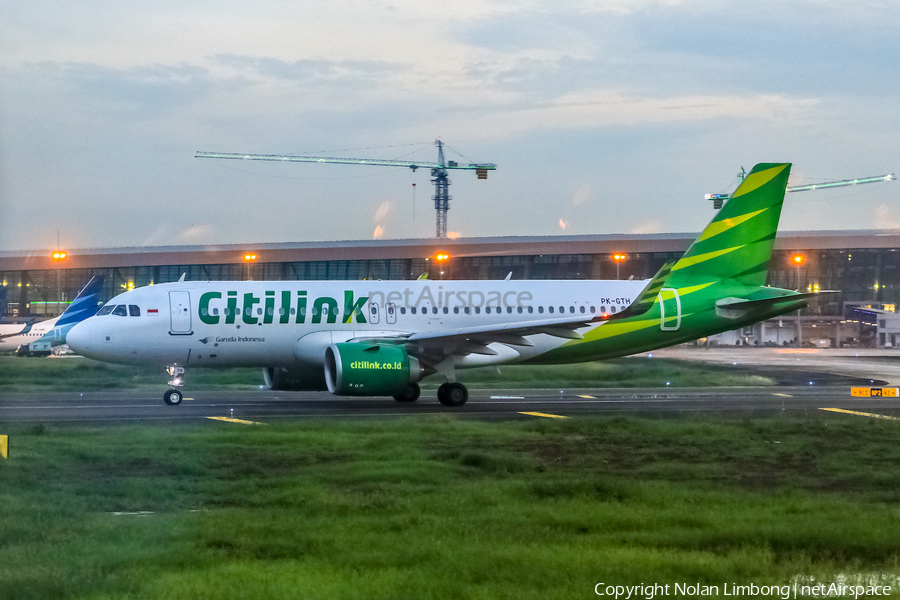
(541, 309)
(434, 310)
(592, 310)
(612, 309)
(530, 309)
(519, 309)
(466, 309)
(134, 310)
(477, 310)
(105, 310)
(120, 311)
(446, 310)
(571, 309)
(413, 310)
(509, 310)
(550, 309)
(455, 310)
(402, 310)
(581, 308)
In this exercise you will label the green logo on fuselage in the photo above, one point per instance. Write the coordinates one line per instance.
(291, 307)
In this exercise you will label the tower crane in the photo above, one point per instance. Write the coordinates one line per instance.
(719, 199)
(438, 172)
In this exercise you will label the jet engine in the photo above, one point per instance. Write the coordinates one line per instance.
(370, 369)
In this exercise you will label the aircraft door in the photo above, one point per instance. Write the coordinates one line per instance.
(670, 309)
(180, 313)
(374, 312)
(391, 309)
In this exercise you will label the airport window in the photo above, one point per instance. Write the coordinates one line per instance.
(105, 310)
(134, 310)
(120, 311)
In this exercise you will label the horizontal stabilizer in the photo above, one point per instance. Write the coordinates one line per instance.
(734, 308)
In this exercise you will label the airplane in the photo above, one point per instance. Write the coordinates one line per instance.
(42, 336)
(380, 338)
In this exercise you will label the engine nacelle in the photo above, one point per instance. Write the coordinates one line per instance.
(369, 369)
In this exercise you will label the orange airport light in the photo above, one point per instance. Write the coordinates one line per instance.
(618, 258)
(441, 257)
(249, 257)
(58, 256)
(798, 259)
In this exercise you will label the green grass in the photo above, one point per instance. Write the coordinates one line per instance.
(82, 374)
(440, 507)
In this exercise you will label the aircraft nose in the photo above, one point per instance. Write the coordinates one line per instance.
(79, 337)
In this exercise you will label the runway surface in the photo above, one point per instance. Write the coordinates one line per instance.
(267, 406)
(809, 380)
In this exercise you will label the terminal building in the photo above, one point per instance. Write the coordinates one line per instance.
(862, 267)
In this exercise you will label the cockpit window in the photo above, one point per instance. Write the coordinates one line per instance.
(105, 310)
(120, 311)
(134, 310)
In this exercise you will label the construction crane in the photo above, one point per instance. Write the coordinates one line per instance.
(438, 172)
(719, 199)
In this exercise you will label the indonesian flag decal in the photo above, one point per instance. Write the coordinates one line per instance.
(152, 311)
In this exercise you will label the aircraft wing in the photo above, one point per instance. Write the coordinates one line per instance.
(475, 340)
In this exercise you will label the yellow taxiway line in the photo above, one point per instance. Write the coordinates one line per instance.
(861, 414)
(537, 414)
(231, 420)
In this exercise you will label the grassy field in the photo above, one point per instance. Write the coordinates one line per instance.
(441, 507)
(82, 374)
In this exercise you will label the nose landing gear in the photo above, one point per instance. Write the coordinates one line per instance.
(174, 397)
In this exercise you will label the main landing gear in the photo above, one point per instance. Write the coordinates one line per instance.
(409, 394)
(449, 394)
(174, 397)
(453, 394)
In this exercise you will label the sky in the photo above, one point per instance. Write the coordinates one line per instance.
(602, 116)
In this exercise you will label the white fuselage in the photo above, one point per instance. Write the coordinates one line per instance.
(37, 331)
(290, 323)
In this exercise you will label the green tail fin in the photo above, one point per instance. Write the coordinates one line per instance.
(738, 242)
(645, 301)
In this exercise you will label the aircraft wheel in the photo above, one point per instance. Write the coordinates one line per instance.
(173, 397)
(453, 394)
(409, 394)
